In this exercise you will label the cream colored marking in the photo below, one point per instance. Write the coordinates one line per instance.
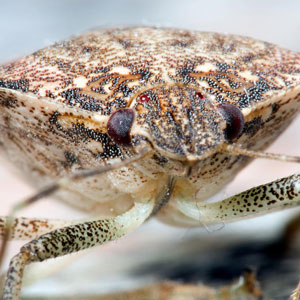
(120, 70)
(94, 146)
(80, 82)
(101, 119)
(206, 67)
(248, 75)
(140, 130)
(205, 85)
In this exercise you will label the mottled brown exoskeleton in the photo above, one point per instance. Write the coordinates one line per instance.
(167, 116)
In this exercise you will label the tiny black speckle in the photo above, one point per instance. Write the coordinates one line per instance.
(71, 158)
(19, 85)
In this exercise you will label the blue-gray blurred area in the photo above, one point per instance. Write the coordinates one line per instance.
(28, 25)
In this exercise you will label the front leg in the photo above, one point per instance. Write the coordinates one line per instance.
(273, 196)
(72, 239)
(266, 198)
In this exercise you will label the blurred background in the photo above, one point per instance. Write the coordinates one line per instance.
(26, 26)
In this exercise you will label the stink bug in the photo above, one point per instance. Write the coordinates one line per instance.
(167, 116)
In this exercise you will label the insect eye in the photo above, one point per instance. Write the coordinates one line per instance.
(144, 98)
(119, 126)
(234, 120)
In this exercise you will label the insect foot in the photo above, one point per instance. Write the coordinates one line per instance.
(167, 117)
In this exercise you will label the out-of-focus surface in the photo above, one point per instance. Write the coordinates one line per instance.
(26, 26)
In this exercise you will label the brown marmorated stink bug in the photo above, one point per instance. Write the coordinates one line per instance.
(167, 116)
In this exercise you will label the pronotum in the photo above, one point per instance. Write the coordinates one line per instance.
(167, 117)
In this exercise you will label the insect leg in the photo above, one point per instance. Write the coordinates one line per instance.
(27, 228)
(72, 239)
(35, 272)
(273, 196)
(59, 184)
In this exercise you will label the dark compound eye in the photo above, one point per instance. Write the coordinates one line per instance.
(144, 98)
(234, 120)
(119, 126)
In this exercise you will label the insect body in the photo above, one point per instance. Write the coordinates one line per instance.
(182, 110)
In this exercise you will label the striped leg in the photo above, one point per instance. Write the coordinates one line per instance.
(72, 239)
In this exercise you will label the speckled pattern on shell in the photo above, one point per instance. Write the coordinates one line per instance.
(55, 105)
